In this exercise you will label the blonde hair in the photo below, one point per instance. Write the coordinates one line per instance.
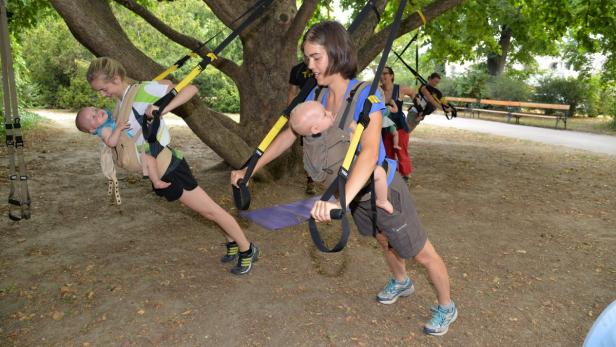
(106, 67)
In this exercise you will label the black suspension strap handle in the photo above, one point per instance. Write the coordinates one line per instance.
(150, 130)
(339, 183)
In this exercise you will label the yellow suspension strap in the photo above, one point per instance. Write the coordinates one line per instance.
(19, 196)
(241, 194)
(150, 130)
(339, 184)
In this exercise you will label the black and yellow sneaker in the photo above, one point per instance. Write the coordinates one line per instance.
(245, 260)
(232, 251)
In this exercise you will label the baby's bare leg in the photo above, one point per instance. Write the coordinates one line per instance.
(380, 189)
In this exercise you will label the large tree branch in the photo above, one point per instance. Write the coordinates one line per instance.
(302, 17)
(226, 66)
(376, 42)
(226, 11)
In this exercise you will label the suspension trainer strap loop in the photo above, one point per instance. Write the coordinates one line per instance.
(149, 132)
(19, 195)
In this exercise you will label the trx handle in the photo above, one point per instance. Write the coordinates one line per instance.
(241, 194)
(343, 172)
(150, 132)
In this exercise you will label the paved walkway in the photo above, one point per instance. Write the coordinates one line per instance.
(590, 142)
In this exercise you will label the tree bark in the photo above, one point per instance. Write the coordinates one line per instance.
(496, 62)
(269, 52)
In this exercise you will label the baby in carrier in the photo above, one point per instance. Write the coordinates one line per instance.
(310, 118)
(98, 122)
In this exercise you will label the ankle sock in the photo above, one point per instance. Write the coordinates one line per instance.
(247, 252)
(447, 307)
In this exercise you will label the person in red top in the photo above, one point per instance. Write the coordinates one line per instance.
(394, 93)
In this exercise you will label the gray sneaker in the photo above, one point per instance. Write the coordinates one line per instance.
(441, 319)
(393, 290)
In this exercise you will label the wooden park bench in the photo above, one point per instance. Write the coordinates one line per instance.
(512, 109)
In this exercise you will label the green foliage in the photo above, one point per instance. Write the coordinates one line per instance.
(55, 67)
(24, 14)
(562, 90)
(54, 72)
(504, 87)
(27, 119)
(472, 84)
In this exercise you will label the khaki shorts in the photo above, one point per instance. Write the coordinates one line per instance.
(402, 228)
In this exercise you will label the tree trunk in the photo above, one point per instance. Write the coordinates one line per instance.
(496, 62)
(269, 51)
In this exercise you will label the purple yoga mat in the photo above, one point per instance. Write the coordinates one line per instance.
(281, 216)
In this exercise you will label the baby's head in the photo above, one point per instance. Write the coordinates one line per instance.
(89, 118)
(310, 118)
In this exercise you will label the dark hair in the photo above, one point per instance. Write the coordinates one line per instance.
(434, 75)
(338, 45)
(391, 72)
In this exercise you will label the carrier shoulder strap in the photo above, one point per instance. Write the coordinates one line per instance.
(395, 93)
(351, 102)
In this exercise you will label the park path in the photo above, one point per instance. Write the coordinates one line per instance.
(574, 139)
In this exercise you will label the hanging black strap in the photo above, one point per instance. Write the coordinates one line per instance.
(340, 181)
(150, 130)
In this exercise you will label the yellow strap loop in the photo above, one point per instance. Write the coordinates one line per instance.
(212, 56)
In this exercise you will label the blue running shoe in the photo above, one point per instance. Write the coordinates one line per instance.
(393, 290)
(441, 319)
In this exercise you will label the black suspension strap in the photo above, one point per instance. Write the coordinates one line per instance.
(339, 183)
(449, 110)
(241, 193)
(150, 130)
(19, 196)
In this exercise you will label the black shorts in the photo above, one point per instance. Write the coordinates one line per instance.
(402, 228)
(181, 178)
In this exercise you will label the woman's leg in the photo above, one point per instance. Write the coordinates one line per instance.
(198, 200)
(396, 265)
(437, 271)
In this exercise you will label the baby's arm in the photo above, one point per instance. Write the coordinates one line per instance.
(109, 137)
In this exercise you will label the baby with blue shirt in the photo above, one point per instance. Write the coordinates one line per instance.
(99, 122)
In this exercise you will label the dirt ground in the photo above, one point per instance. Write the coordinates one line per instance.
(527, 230)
